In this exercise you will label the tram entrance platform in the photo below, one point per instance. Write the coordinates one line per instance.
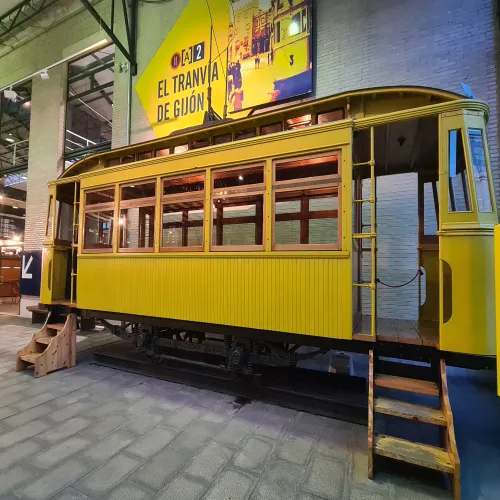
(401, 331)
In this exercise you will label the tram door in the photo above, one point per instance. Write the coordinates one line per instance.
(428, 246)
(59, 260)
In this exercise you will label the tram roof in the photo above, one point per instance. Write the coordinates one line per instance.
(262, 114)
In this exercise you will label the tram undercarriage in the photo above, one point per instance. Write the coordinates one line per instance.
(238, 354)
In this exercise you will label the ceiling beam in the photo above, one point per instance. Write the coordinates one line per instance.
(23, 12)
(131, 29)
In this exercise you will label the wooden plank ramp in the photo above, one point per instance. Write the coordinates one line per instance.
(51, 348)
(443, 458)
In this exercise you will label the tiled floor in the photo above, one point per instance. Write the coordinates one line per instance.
(95, 432)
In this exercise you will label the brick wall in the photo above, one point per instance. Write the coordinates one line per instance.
(46, 140)
(434, 43)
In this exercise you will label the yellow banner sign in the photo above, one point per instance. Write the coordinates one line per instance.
(227, 57)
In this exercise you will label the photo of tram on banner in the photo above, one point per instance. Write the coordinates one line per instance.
(223, 59)
(269, 54)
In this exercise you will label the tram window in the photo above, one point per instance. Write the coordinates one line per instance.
(238, 208)
(244, 134)
(431, 207)
(459, 197)
(237, 178)
(330, 116)
(183, 204)
(137, 191)
(479, 170)
(238, 221)
(137, 227)
(48, 227)
(162, 152)
(305, 25)
(146, 155)
(181, 148)
(306, 204)
(222, 139)
(65, 222)
(100, 196)
(298, 122)
(183, 185)
(98, 230)
(271, 129)
(278, 32)
(183, 225)
(202, 143)
(98, 220)
(308, 217)
(294, 28)
(292, 170)
(113, 162)
(137, 215)
(128, 159)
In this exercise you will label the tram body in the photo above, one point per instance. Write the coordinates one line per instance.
(257, 228)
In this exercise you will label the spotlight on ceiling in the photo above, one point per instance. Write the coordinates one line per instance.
(10, 94)
(9, 138)
(44, 74)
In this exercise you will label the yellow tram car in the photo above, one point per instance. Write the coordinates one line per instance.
(263, 231)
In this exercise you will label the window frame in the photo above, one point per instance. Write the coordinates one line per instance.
(308, 183)
(137, 203)
(465, 176)
(50, 215)
(98, 207)
(238, 192)
(192, 196)
(100, 146)
(469, 128)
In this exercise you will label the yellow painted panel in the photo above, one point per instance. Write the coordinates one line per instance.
(471, 327)
(46, 281)
(497, 299)
(292, 294)
(60, 271)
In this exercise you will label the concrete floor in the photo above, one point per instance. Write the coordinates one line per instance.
(95, 432)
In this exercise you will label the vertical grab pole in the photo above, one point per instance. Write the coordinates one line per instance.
(73, 244)
(373, 231)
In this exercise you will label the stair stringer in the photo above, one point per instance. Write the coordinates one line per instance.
(59, 353)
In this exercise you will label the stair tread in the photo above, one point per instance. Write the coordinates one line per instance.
(410, 411)
(56, 326)
(407, 384)
(44, 340)
(410, 452)
(31, 357)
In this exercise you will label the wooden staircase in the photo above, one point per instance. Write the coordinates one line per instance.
(51, 348)
(444, 458)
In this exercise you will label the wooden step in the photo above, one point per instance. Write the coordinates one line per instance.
(44, 340)
(413, 453)
(410, 411)
(31, 357)
(37, 309)
(407, 384)
(56, 326)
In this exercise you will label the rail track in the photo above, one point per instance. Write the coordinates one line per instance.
(319, 392)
